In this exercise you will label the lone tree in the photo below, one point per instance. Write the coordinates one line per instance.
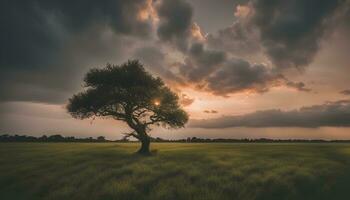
(130, 94)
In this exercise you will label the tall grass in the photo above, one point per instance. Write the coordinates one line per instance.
(177, 171)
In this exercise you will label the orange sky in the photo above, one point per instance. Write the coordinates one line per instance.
(221, 55)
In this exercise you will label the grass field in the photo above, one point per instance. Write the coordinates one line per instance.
(177, 171)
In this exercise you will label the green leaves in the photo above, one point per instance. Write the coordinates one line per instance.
(127, 92)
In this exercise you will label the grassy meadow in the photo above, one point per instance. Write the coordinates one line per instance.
(177, 171)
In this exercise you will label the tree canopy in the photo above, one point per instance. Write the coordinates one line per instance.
(128, 93)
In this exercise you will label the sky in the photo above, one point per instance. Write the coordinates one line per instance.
(242, 68)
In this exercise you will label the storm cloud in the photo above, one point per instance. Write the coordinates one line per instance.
(239, 39)
(201, 62)
(175, 22)
(332, 114)
(41, 38)
(45, 45)
(215, 72)
(289, 33)
(35, 31)
(215, 64)
(239, 75)
(203, 49)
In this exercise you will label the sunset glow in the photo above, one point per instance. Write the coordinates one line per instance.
(156, 102)
(245, 68)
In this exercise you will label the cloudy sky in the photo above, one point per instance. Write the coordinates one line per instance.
(243, 68)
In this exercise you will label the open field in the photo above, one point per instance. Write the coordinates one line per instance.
(177, 171)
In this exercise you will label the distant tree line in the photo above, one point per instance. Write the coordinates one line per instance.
(244, 140)
(51, 138)
(60, 138)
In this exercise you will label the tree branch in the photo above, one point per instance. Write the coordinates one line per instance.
(138, 114)
(132, 134)
(154, 119)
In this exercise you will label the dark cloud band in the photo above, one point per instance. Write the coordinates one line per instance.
(332, 114)
(45, 45)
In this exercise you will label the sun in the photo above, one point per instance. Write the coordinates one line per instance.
(156, 102)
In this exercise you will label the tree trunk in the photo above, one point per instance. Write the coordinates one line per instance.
(141, 135)
(145, 143)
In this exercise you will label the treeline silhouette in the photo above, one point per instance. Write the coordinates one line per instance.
(51, 138)
(244, 140)
(60, 138)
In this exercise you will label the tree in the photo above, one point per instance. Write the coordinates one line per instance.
(130, 94)
(101, 138)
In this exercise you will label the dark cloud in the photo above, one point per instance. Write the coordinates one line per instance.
(345, 92)
(333, 114)
(291, 31)
(238, 75)
(300, 86)
(28, 36)
(34, 32)
(122, 16)
(57, 80)
(213, 71)
(210, 111)
(175, 22)
(45, 45)
(209, 64)
(35, 110)
(237, 39)
(25, 87)
(201, 62)
(153, 58)
(213, 15)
